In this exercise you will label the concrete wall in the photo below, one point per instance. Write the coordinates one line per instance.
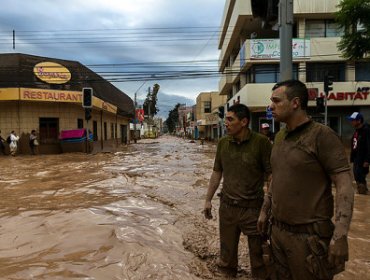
(22, 117)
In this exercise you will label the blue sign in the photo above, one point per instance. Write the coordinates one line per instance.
(269, 113)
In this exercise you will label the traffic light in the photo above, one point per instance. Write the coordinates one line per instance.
(87, 114)
(328, 84)
(320, 105)
(259, 8)
(266, 10)
(221, 112)
(87, 97)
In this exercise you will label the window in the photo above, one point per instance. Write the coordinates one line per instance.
(322, 28)
(207, 106)
(80, 123)
(268, 73)
(362, 70)
(315, 72)
(112, 131)
(49, 130)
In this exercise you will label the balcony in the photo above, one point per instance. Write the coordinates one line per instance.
(225, 83)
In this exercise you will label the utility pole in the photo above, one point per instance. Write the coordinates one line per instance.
(135, 119)
(328, 86)
(135, 105)
(150, 103)
(13, 39)
(286, 31)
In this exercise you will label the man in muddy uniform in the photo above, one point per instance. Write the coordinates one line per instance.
(306, 159)
(242, 159)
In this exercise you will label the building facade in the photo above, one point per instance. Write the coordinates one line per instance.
(250, 56)
(208, 124)
(185, 125)
(44, 94)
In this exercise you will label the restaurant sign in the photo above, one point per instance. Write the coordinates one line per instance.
(52, 73)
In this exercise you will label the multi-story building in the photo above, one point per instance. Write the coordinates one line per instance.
(186, 115)
(250, 57)
(208, 123)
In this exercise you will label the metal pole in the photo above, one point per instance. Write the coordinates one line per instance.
(135, 119)
(13, 39)
(150, 104)
(326, 108)
(286, 31)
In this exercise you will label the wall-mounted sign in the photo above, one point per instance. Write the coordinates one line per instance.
(33, 94)
(270, 48)
(52, 73)
(360, 94)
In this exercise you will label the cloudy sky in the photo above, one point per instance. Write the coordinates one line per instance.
(132, 43)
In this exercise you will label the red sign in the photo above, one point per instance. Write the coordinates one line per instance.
(359, 95)
(140, 114)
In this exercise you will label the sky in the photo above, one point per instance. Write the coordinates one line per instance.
(131, 43)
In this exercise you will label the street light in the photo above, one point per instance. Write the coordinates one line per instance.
(135, 104)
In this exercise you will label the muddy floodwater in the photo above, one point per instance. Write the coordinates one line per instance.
(131, 214)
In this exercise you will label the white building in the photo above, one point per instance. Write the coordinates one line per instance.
(250, 67)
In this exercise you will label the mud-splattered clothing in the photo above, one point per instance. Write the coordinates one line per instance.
(244, 166)
(302, 161)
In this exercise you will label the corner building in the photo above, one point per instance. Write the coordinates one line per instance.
(45, 94)
(250, 55)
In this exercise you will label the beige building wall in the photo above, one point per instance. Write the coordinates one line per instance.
(23, 117)
(208, 123)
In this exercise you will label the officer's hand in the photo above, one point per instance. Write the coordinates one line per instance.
(262, 222)
(338, 251)
(208, 210)
(366, 164)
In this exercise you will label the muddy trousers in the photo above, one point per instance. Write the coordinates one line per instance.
(360, 172)
(233, 222)
(290, 252)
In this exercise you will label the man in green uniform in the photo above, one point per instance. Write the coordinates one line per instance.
(307, 158)
(243, 160)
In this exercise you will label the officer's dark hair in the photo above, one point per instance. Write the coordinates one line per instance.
(241, 111)
(294, 88)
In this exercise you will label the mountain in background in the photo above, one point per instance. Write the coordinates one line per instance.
(167, 102)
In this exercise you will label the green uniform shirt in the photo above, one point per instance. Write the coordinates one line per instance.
(302, 161)
(243, 165)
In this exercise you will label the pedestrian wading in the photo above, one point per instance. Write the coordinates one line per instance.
(360, 151)
(243, 161)
(306, 159)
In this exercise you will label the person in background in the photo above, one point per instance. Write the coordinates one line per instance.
(360, 151)
(2, 144)
(33, 142)
(13, 146)
(306, 159)
(265, 130)
(243, 161)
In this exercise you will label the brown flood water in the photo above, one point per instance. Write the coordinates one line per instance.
(133, 214)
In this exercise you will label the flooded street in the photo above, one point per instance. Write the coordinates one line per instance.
(133, 214)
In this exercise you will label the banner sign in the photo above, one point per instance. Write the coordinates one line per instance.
(140, 114)
(270, 48)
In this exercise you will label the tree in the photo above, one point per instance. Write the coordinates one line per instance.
(150, 103)
(353, 17)
(173, 118)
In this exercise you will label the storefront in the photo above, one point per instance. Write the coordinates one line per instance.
(45, 94)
